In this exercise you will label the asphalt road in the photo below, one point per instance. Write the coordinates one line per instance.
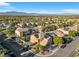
(67, 50)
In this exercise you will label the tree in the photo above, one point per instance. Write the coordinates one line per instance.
(39, 48)
(3, 52)
(66, 39)
(72, 33)
(13, 23)
(26, 46)
(8, 32)
(58, 40)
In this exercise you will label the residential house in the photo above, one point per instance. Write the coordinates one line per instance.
(13, 46)
(33, 39)
(31, 31)
(44, 42)
(2, 37)
(59, 33)
(30, 24)
(20, 24)
(49, 37)
(19, 31)
(64, 31)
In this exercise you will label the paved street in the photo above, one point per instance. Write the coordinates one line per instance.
(67, 50)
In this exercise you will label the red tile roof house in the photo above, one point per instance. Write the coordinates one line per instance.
(46, 42)
(34, 39)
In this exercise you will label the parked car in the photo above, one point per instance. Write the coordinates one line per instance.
(11, 54)
(63, 46)
(69, 40)
(28, 54)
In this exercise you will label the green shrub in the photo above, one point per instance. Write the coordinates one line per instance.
(72, 33)
(58, 40)
(3, 52)
(39, 48)
(8, 32)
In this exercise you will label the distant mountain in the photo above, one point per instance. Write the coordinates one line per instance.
(17, 13)
(31, 14)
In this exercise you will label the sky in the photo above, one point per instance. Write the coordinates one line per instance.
(41, 7)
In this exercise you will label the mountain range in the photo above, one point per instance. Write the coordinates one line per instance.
(30, 14)
(17, 13)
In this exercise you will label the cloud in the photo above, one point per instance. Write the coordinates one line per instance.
(42, 11)
(64, 11)
(4, 4)
(4, 7)
(6, 10)
(71, 11)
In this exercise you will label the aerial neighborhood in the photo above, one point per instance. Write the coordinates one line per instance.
(39, 36)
